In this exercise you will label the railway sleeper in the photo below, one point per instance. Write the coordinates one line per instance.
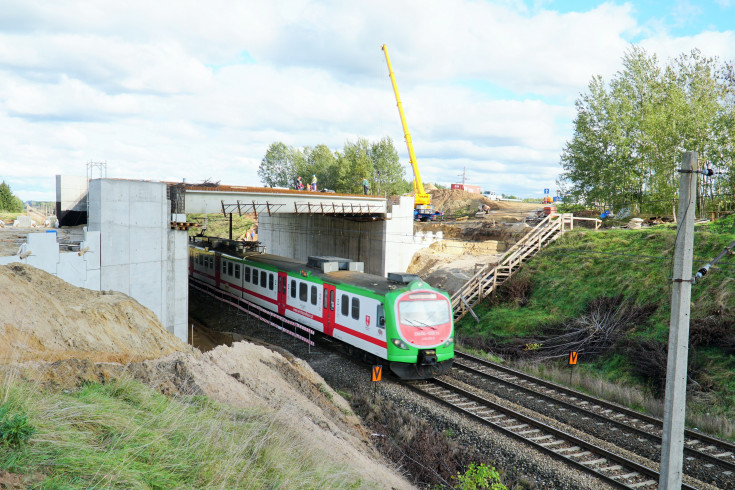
(578, 455)
(643, 483)
(627, 476)
(553, 443)
(594, 461)
(567, 449)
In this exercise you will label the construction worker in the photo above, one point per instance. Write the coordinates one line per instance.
(299, 184)
(313, 182)
(365, 185)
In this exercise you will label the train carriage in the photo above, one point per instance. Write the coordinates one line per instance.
(399, 320)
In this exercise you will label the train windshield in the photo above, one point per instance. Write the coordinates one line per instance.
(424, 313)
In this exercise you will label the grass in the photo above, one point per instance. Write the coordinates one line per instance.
(218, 225)
(126, 435)
(700, 414)
(8, 216)
(585, 265)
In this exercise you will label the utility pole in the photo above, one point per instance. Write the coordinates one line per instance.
(672, 449)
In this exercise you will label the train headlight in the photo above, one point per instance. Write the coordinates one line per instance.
(400, 344)
(449, 342)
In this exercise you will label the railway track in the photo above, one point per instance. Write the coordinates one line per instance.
(609, 467)
(705, 458)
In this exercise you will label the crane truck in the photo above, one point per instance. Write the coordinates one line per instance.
(423, 209)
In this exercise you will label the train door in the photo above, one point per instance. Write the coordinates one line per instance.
(282, 282)
(329, 299)
(217, 269)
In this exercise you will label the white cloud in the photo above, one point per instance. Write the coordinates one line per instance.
(199, 91)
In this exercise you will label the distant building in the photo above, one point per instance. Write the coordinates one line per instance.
(469, 188)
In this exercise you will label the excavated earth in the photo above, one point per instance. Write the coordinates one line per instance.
(60, 336)
(471, 241)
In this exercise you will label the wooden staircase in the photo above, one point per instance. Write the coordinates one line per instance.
(491, 276)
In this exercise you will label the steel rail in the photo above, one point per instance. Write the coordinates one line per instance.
(419, 387)
(694, 436)
(728, 466)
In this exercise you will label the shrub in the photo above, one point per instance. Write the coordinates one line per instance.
(15, 430)
(479, 476)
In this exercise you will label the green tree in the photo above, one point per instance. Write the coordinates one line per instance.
(388, 175)
(322, 162)
(629, 134)
(279, 165)
(8, 201)
(355, 164)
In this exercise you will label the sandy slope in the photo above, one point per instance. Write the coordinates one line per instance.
(60, 336)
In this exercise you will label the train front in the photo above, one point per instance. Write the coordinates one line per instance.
(422, 343)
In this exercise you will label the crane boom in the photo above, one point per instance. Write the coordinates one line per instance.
(421, 197)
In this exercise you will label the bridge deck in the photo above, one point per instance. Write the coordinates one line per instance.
(256, 200)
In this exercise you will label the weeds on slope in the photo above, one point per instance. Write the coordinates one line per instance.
(125, 435)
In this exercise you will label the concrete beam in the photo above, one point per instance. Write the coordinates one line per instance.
(270, 201)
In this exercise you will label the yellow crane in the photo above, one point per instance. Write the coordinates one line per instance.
(423, 210)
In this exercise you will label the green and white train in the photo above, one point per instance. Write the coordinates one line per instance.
(399, 321)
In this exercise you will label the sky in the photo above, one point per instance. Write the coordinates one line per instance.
(195, 91)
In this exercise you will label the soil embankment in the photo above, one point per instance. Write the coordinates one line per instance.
(61, 336)
(470, 241)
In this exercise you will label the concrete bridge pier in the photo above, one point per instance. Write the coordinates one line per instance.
(383, 245)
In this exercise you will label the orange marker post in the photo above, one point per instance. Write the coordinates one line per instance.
(377, 373)
(572, 362)
(573, 358)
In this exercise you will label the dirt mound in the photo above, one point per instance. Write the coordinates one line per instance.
(452, 201)
(449, 264)
(243, 375)
(45, 318)
(59, 336)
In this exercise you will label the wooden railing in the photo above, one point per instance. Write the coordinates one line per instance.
(490, 276)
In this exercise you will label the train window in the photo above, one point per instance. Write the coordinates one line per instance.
(229, 268)
(302, 291)
(345, 305)
(270, 281)
(255, 277)
(237, 271)
(331, 300)
(313, 295)
(247, 274)
(326, 300)
(355, 308)
(224, 267)
(293, 288)
(263, 278)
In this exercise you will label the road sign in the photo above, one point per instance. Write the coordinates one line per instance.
(546, 191)
(377, 372)
(573, 358)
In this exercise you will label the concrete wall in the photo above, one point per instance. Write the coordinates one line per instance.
(384, 246)
(140, 255)
(41, 250)
(71, 199)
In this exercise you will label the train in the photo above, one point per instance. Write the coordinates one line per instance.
(398, 321)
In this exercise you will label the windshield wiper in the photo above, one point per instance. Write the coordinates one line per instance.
(420, 324)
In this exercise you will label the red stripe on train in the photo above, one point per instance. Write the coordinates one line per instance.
(380, 343)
